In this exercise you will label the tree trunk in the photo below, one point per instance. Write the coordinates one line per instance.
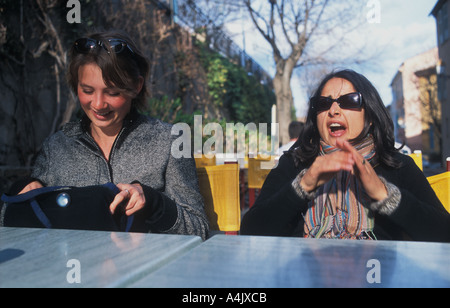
(285, 100)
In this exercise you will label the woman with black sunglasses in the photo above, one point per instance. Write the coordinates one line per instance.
(115, 143)
(343, 178)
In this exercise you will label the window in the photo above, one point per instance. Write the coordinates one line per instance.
(442, 23)
(442, 85)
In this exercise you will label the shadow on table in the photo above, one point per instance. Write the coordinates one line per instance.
(10, 254)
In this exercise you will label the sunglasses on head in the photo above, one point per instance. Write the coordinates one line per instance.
(347, 101)
(85, 45)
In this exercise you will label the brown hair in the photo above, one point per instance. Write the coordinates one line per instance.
(121, 71)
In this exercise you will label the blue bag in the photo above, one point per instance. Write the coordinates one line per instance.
(62, 207)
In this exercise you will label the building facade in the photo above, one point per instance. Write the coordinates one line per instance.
(415, 109)
(441, 12)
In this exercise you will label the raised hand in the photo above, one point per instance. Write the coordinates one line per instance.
(134, 196)
(372, 184)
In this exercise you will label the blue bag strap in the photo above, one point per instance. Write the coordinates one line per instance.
(130, 220)
(39, 191)
(116, 190)
(31, 194)
(40, 214)
(112, 187)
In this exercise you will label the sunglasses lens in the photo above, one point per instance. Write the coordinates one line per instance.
(323, 103)
(84, 45)
(350, 101)
(117, 45)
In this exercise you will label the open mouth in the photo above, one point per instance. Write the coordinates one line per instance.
(101, 115)
(337, 129)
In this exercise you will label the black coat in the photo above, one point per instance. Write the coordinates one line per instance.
(420, 215)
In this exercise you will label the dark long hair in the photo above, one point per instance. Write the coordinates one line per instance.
(378, 122)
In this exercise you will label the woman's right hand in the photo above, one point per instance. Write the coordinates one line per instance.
(325, 167)
(31, 186)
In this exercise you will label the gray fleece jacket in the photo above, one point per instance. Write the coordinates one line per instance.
(141, 153)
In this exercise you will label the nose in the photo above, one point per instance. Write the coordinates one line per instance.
(335, 109)
(98, 102)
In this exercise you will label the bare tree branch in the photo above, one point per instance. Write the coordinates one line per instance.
(299, 26)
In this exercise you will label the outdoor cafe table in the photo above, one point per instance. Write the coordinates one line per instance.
(259, 262)
(49, 258)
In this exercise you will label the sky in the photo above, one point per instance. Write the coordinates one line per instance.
(405, 29)
(408, 30)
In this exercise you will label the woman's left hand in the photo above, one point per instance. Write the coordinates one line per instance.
(134, 196)
(364, 171)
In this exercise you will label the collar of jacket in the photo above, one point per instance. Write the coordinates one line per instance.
(80, 130)
(128, 121)
(82, 127)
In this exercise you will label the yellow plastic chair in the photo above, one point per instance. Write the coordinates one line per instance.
(417, 156)
(219, 186)
(205, 161)
(441, 186)
(258, 170)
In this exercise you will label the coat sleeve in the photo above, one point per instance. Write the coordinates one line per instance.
(41, 165)
(278, 209)
(420, 213)
(38, 173)
(180, 208)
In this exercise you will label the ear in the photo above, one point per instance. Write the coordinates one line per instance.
(140, 84)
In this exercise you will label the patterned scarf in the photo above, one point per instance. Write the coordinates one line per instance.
(341, 206)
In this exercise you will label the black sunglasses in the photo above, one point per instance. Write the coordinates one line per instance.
(85, 45)
(347, 101)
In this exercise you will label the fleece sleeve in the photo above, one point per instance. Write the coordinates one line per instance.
(420, 213)
(277, 210)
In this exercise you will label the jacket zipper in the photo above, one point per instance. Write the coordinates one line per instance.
(100, 154)
(108, 162)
